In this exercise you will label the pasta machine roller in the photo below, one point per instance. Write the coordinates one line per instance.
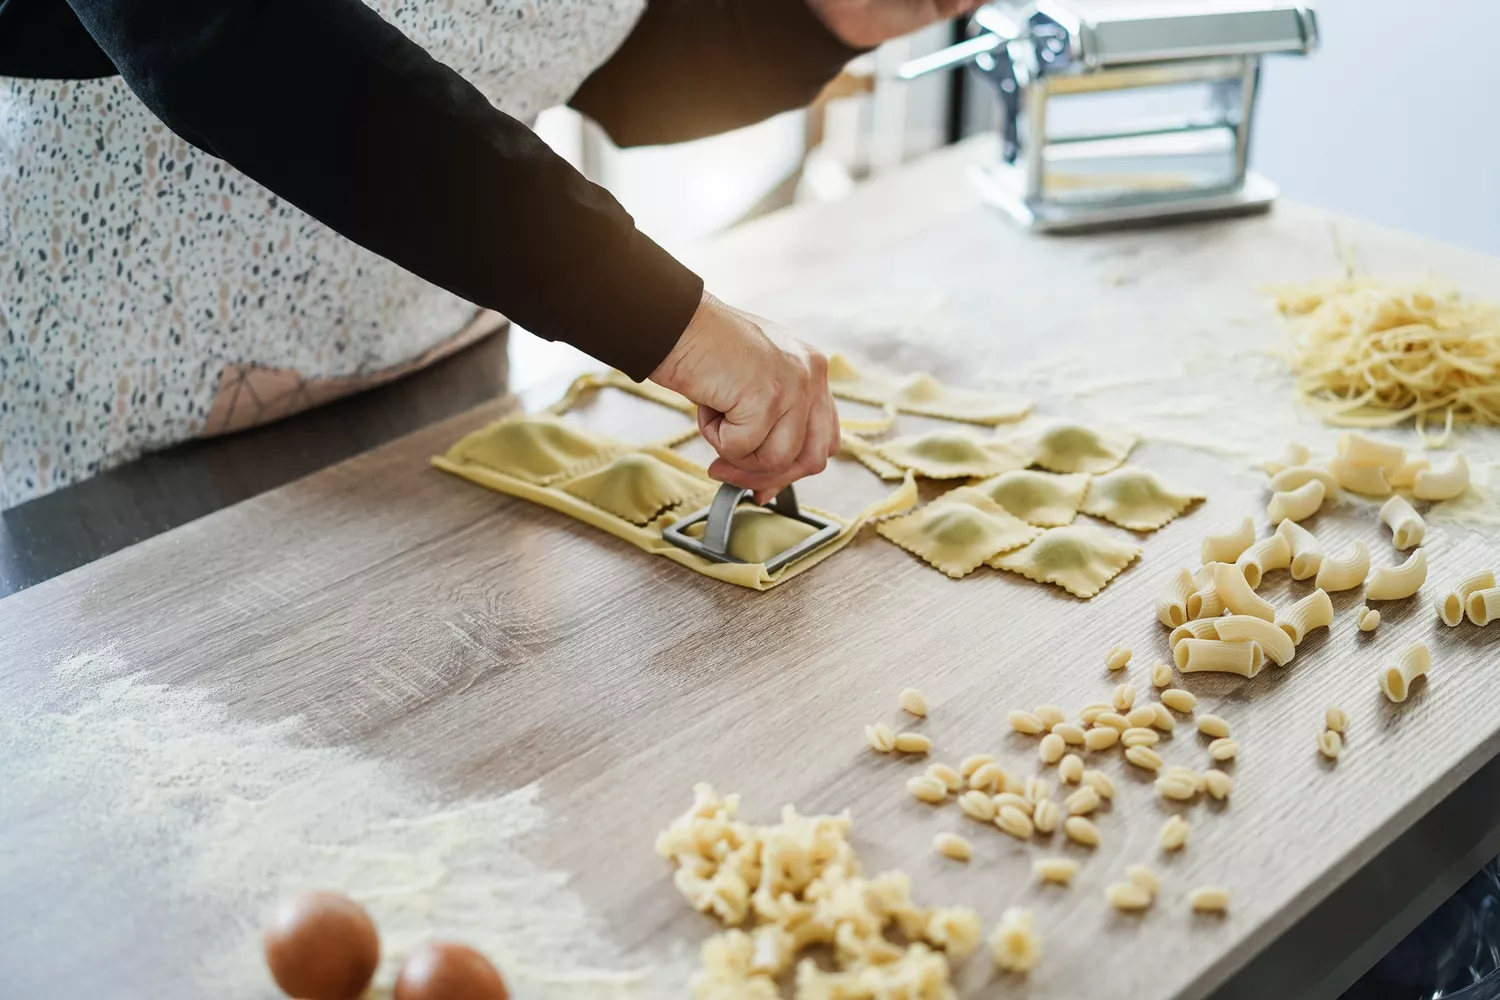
(719, 515)
(1120, 112)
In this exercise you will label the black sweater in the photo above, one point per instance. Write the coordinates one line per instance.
(336, 111)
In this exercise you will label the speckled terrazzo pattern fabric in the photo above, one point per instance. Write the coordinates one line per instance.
(139, 274)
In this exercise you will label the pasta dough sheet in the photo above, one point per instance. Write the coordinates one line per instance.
(958, 531)
(1134, 498)
(1080, 559)
(946, 454)
(924, 395)
(536, 449)
(526, 437)
(585, 385)
(1064, 447)
(1045, 499)
(868, 455)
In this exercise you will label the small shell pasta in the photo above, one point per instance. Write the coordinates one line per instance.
(1050, 715)
(1365, 619)
(881, 737)
(1278, 646)
(1088, 713)
(1101, 738)
(912, 702)
(1141, 716)
(1213, 725)
(1058, 871)
(1217, 656)
(1084, 800)
(1013, 800)
(1347, 572)
(1227, 546)
(1360, 449)
(1271, 552)
(1396, 681)
(1070, 768)
(1014, 944)
(988, 777)
(1313, 611)
(1023, 722)
(1127, 896)
(1298, 504)
(1451, 610)
(977, 805)
(1393, 583)
(1144, 877)
(1046, 816)
(1101, 783)
(1081, 831)
(1239, 598)
(1407, 526)
(1144, 757)
(1307, 551)
(1209, 899)
(1123, 697)
(1119, 656)
(1483, 606)
(1218, 784)
(1174, 833)
(1330, 744)
(1443, 484)
(951, 845)
(1335, 719)
(1051, 749)
(947, 775)
(1201, 629)
(1368, 480)
(974, 762)
(925, 788)
(912, 743)
(1015, 822)
(1071, 734)
(1179, 700)
(1176, 787)
(1171, 606)
(1224, 749)
(1161, 675)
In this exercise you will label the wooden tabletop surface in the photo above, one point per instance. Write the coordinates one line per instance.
(383, 620)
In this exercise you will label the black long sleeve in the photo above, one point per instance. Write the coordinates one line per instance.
(692, 68)
(337, 112)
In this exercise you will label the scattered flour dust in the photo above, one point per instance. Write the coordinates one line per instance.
(230, 816)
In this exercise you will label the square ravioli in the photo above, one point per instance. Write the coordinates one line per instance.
(951, 454)
(1080, 559)
(923, 394)
(1045, 499)
(958, 531)
(639, 485)
(1068, 447)
(537, 449)
(1134, 498)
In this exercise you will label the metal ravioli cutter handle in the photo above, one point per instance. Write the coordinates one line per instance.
(719, 517)
(727, 501)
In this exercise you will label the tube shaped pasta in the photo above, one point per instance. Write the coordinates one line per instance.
(1216, 656)
(1451, 610)
(1226, 547)
(1313, 611)
(1445, 483)
(1278, 646)
(1407, 526)
(1232, 586)
(1297, 476)
(1366, 479)
(1205, 603)
(1171, 606)
(1307, 551)
(1484, 606)
(1272, 552)
(1392, 583)
(1203, 628)
(1296, 454)
(1346, 573)
(1359, 449)
(1298, 504)
(1396, 681)
(1405, 477)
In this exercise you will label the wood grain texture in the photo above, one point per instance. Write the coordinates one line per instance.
(479, 643)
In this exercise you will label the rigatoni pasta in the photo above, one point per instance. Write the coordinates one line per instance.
(1230, 582)
(1345, 572)
(1307, 551)
(1205, 602)
(1218, 656)
(1296, 453)
(1297, 476)
(1171, 606)
(1396, 681)
(1445, 483)
(1393, 583)
(1404, 477)
(1483, 606)
(1227, 546)
(1278, 646)
(1271, 552)
(1361, 449)
(1368, 480)
(1453, 605)
(1298, 504)
(1199, 629)
(1313, 611)
(1407, 526)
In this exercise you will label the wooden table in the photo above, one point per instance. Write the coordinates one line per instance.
(443, 643)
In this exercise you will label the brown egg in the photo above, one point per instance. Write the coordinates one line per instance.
(442, 970)
(321, 946)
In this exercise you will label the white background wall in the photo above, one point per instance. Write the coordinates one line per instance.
(1395, 119)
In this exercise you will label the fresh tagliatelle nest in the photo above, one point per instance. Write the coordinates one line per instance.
(1372, 354)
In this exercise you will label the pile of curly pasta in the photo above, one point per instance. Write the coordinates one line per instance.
(1371, 354)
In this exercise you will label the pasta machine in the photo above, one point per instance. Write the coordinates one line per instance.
(714, 544)
(1120, 112)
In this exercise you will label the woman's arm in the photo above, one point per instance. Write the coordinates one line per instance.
(696, 67)
(337, 112)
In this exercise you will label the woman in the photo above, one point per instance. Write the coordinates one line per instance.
(209, 203)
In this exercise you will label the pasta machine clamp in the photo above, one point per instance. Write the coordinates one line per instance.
(1067, 72)
(719, 518)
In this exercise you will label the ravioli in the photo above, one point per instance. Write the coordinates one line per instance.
(923, 394)
(946, 454)
(1066, 447)
(1046, 499)
(868, 455)
(1134, 498)
(538, 449)
(757, 534)
(638, 486)
(958, 531)
(1080, 559)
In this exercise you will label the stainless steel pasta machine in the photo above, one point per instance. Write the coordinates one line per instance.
(1117, 112)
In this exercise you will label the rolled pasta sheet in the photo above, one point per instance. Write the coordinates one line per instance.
(1393, 583)
(1205, 603)
(1443, 483)
(1171, 606)
(1297, 476)
(1361, 449)
(1272, 552)
(1405, 477)
(1368, 480)
(1298, 504)
(1307, 551)
(1296, 454)
(1278, 646)
(1235, 591)
(1396, 681)
(1407, 527)
(1203, 628)
(1227, 546)
(1313, 611)
(1345, 573)
(1455, 602)
(1219, 657)
(1483, 606)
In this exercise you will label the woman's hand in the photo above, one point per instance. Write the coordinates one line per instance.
(864, 24)
(763, 400)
